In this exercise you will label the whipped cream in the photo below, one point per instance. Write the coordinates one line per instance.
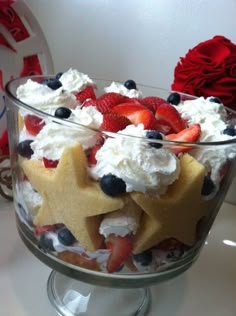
(120, 88)
(43, 98)
(51, 141)
(75, 81)
(142, 167)
(212, 118)
(33, 200)
(118, 223)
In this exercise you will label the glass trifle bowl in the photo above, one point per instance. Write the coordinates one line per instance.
(116, 186)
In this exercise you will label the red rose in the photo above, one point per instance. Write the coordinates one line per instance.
(209, 69)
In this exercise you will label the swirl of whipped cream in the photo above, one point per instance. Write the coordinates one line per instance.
(51, 141)
(42, 97)
(142, 167)
(74, 81)
(121, 89)
(212, 118)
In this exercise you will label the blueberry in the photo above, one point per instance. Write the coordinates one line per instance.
(112, 185)
(24, 149)
(215, 99)
(130, 84)
(230, 130)
(46, 242)
(58, 75)
(208, 186)
(154, 135)
(144, 258)
(52, 83)
(66, 237)
(62, 112)
(174, 98)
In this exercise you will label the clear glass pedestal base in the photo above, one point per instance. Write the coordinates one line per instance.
(71, 298)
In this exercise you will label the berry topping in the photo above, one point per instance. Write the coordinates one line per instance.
(121, 248)
(208, 186)
(33, 124)
(86, 93)
(52, 83)
(174, 98)
(130, 84)
(114, 122)
(46, 242)
(230, 130)
(168, 113)
(48, 163)
(106, 101)
(39, 230)
(92, 155)
(137, 114)
(215, 99)
(58, 75)
(154, 135)
(66, 237)
(189, 134)
(63, 112)
(112, 185)
(152, 102)
(144, 258)
(24, 149)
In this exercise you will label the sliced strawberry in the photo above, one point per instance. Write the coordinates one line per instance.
(39, 230)
(92, 155)
(152, 102)
(114, 122)
(189, 134)
(136, 114)
(121, 248)
(48, 163)
(33, 124)
(168, 113)
(133, 100)
(161, 126)
(106, 101)
(4, 147)
(86, 93)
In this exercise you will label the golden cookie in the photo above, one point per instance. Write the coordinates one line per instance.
(71, 197)
(176, 213)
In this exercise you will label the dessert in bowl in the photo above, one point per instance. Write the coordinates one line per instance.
(116, 184)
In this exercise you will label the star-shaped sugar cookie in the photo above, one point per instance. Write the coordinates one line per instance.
(71, 197)
(176, 213)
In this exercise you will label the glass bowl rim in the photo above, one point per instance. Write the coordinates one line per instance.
(64, 122)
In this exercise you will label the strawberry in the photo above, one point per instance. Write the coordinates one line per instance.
(48, 163)
(136, 114)
(168, 113)
(39, 230)
(133, 100)
(33, 124)
(86, 93)
(121, 248)
(161, 126)
(92, 155)
(152, 103)
(4, 147)
(114, 122)
(106, 101)
(189, 134)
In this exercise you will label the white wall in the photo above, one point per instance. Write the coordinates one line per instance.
(138, 39)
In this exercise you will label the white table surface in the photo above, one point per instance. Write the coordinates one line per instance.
(207, 289)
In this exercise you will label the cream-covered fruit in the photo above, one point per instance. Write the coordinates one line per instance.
(105, 183)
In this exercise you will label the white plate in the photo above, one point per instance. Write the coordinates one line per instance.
(20, 38)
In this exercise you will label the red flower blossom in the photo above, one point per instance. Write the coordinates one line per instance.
(209, 69)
